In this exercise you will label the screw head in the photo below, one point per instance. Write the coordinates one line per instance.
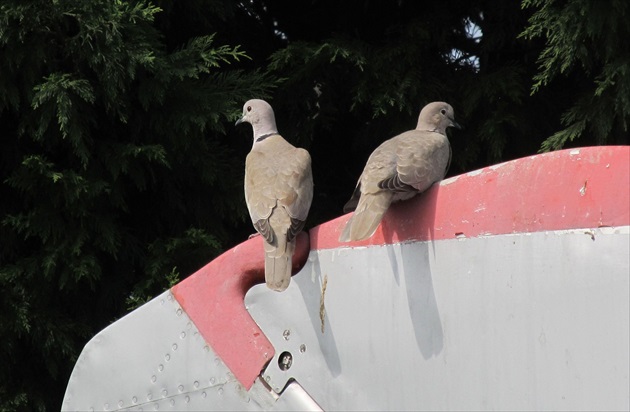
(285, 360)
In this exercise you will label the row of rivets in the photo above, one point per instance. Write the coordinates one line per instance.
(180, 388)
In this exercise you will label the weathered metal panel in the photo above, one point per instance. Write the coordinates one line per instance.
(519, 322)
(505, 288)
(585, 187)
(153, 359)
(213, 298)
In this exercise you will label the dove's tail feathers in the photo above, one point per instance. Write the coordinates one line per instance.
(366, 217)
(354, 200)
(278, 264)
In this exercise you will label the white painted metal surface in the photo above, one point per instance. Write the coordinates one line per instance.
(155, 359)
(536, 321)
(523, 319)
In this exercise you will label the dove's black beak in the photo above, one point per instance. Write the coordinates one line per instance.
(239, 121)
(455, 124)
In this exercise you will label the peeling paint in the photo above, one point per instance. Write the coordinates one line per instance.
(474, 172)
(448, 181)
(497, 166)
(583, 188)
(322, 307)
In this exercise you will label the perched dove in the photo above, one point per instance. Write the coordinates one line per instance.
(278, 191)
(400, 168)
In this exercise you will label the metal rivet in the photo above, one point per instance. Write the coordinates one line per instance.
(204, 394)
(153, 379)
(164, 393)
(212, 380)
(179, 312)
(120, 404)
(285, 360)
(182, 335)
(220, 391)
(167, 357)
(149, 396)
(187, 398)
(160, 367)
(302, 348)
(106, 407)
(134, 400)
(172, 402)
(286, 334)
(180, 388)
(156, 406)
(174, 346)
(196, 384)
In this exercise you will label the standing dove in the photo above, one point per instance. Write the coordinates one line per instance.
(400, 168)
(278, 191)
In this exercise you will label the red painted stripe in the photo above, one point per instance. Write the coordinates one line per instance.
(576, 188)
(589, 187)
(213, 298)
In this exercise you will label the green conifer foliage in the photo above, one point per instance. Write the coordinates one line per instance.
(586, 42)
(121, 171)
(115, 175)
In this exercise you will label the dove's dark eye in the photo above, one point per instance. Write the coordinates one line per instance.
(249, 108)
(443, 111)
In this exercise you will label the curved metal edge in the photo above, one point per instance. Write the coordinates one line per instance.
(213, 298)
(561, 190)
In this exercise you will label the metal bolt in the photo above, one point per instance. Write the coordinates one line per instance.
(285, 360)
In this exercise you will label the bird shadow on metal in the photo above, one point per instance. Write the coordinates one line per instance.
(409, 225)
(317, 314)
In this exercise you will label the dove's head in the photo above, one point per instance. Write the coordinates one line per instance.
(436, 117)
(260, 115)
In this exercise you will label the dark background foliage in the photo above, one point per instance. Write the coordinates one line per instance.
(121, 171)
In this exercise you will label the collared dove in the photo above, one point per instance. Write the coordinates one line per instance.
(400, 168)
(278, 191)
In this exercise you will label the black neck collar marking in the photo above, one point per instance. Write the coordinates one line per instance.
(264, 136)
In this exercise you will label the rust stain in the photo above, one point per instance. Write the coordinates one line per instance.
(322, 307)
(591, 234)
(583, 188)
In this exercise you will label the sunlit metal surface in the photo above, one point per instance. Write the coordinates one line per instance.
(514, 322)
(153, 359)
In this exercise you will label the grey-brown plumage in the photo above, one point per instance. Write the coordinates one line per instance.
(278, 191)
(400, 168)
